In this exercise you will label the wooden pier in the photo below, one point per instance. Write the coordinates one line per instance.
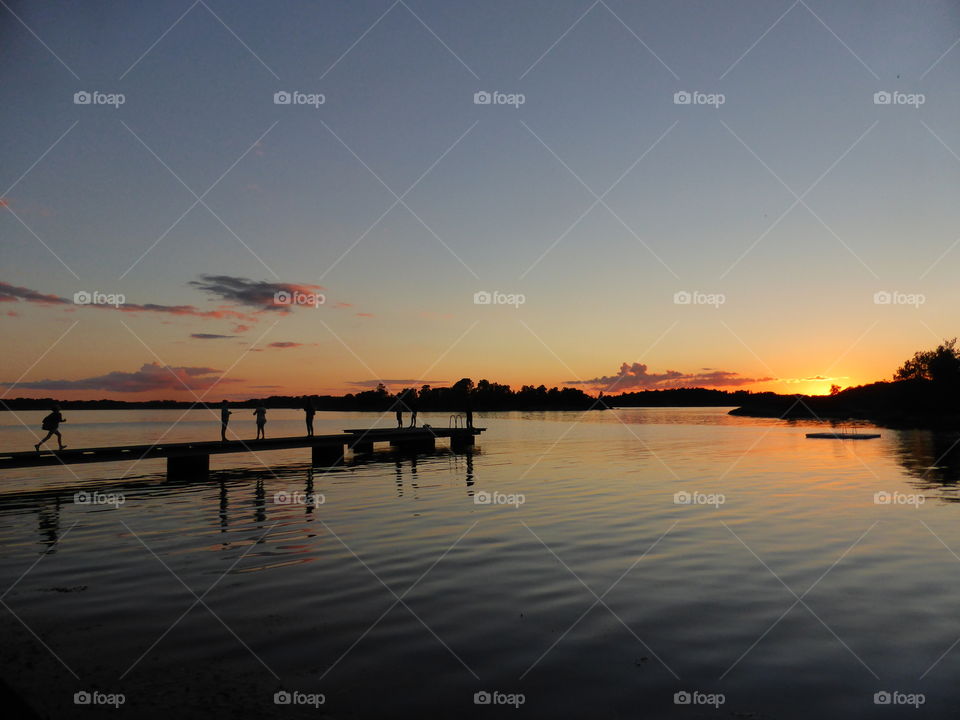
(193, 459)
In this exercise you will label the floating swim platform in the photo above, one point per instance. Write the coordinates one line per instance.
(843, 436)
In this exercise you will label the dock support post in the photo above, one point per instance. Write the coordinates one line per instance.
(188, 467)
(362, 447)
(327, 456)
(459, 443)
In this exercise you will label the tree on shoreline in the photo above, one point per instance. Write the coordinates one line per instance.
(940, 365)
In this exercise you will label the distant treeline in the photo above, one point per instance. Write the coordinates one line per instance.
(684, 397)
(925, 392)
(484, 395)
(464, 394)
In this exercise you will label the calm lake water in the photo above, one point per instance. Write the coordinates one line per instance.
(785, 588)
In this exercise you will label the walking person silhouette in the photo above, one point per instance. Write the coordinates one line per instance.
(51, 423)
(261, 413)
(224, 419)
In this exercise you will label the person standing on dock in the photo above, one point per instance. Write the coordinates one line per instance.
(261, 413)
(398, 407)
(51, 423)
(310, 411)
(469, 412)
(224, 419)
(412, 404)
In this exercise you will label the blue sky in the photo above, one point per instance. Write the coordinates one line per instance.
(502, 203)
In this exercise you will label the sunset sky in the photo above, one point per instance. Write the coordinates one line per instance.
(814, 228)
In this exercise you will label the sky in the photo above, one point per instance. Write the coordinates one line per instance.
(613, 195)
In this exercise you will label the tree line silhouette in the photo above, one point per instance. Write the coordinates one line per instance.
(924, 392)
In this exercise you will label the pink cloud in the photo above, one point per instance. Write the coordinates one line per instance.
(151, 377)
(637, 376)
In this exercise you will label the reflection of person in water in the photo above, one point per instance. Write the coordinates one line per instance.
(224, 419)
(310, 411)
(261, 413)
(51, 423)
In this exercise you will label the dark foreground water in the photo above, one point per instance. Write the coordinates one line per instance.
(777, 584)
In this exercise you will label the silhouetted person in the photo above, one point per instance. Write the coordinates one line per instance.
(309, 411)
(261, 413)
(51, 423)
(398, 407)
(469, 413)
(412, 404)
(224, 419)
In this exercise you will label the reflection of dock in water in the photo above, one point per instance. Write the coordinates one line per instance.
(193, 459)
(49, 503)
